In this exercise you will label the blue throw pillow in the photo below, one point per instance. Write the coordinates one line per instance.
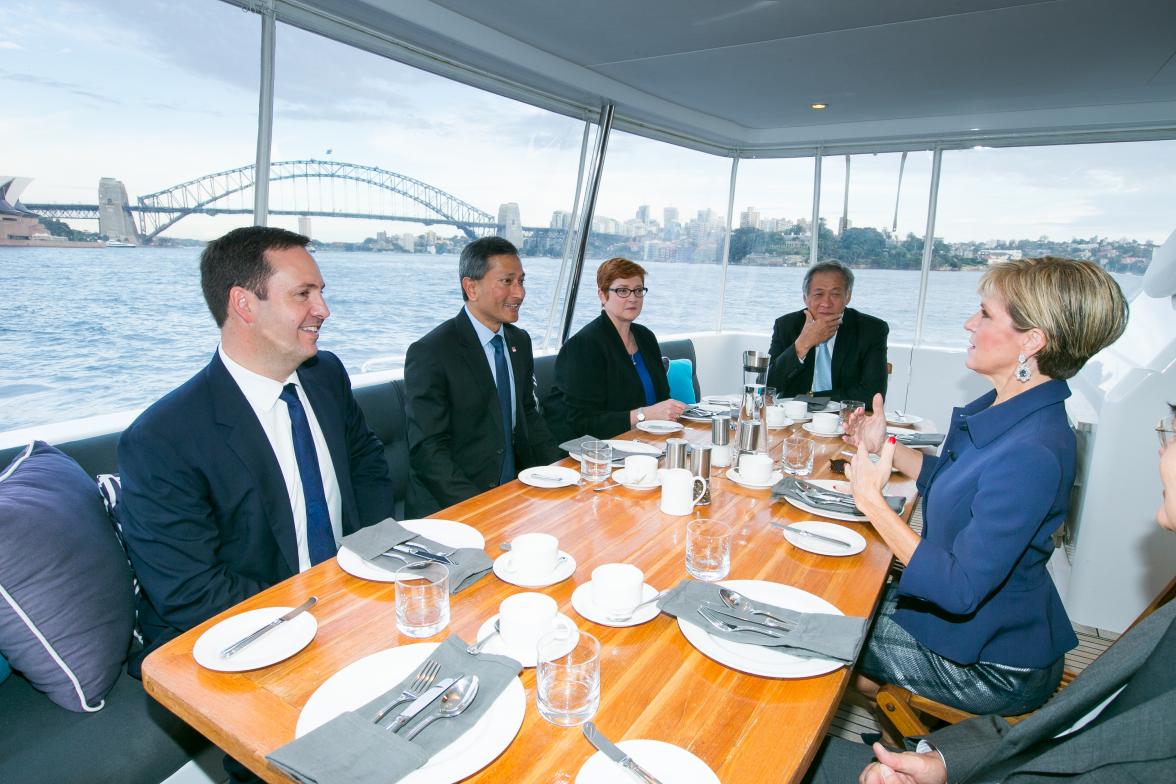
(681, 376)
(5, 670)
(66, 602)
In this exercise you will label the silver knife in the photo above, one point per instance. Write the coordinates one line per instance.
(830, 539)
(420, 703)
(614, 753)
(422, 554)
(247, 640)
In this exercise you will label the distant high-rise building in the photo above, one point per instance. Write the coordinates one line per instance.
(669, 216)
(643, 213)
(749, 218)
(510, 225)
(304, 225)
(561, 220)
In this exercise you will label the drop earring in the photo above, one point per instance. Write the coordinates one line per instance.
(1023, 373)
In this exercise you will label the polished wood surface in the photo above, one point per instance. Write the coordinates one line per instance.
(654, 684)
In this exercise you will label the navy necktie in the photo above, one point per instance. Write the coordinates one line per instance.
(502, 380)
(320, 539)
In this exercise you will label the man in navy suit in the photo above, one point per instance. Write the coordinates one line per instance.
(255, 468)
(473, 422)
(828, 348)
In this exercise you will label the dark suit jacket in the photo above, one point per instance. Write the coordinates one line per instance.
(596, 384)
(454, 423)
(204, 507)
(859, 358)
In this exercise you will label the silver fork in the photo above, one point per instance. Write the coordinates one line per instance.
(414, 545)
(724, 626)
(423, 680)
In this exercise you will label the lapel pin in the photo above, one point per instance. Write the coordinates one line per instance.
(513, 349)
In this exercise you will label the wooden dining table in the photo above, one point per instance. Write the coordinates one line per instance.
(654, 683)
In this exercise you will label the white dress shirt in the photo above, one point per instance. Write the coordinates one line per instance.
(274, 416)
(484, 337)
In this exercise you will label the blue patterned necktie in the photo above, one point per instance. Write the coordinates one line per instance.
(320, 539)
(502, 380)
(823, 370)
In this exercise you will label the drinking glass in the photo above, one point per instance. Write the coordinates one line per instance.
(798, 455)
(769, 396)
(708, 549)
(567, 676)
(595, 461)
(422, 598)
(847, 408)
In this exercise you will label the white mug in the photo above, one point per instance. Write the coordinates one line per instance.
(532, 555)
(524, 617)
(776, 416)
(795, 409)
(755, 468)
(826, 422)
(678, 496)
(640, 469)
(617, 587)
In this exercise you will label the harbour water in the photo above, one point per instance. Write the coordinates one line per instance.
(91, 331)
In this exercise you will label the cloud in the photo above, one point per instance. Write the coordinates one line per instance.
(54, 84)
(10, 45)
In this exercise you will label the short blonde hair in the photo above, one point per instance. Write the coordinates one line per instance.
(616, 268)
(1076, 304)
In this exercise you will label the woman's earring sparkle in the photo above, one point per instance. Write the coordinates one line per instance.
(1023, 373)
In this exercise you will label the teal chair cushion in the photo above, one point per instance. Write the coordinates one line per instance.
(681, 377)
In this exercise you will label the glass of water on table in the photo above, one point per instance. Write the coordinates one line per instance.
(595, 461)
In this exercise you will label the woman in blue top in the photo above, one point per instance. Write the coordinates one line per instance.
(609, 375)
(975, 620)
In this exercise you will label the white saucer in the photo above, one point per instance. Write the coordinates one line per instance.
(549, 476)
(856, 541)
(892, 418)
(659, 426)
(786, 423)
(448, 533)
(619, 477)
(528, 656)
(562, 571)
(663, 761)
(840, 431)
(733, 475)
(281, 643)
(582, 603)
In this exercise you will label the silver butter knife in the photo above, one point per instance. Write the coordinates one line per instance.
(242, 643)
(614, 753)
(830, 539)
(420, 703)
(410, 549)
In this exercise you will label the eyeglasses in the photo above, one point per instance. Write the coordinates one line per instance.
(1166, 430)
(624, 291)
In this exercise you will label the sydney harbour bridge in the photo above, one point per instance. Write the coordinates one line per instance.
(378, 194)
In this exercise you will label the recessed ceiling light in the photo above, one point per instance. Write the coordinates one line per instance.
(818, 106)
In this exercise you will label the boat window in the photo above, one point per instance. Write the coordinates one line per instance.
(1086, 201)
(663, 207)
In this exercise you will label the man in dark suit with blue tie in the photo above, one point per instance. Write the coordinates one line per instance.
(473, 422)
(255, 468)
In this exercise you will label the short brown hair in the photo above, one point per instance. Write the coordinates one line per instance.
(238, 259)
(616, 268)
(1076, 304)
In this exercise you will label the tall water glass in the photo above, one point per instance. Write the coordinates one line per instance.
(567, 676)
(422, 598)
(798, 455)
(595, 461)
(708, 549)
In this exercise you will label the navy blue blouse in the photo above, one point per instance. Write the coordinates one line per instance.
(646, 380)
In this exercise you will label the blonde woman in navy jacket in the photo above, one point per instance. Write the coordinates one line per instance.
(975, 620)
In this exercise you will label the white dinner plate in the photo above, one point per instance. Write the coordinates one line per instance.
(528, 655)
(448, 533)
(583, 604)
(361, 681)
(786, 423)
(840, 431)
(563, 570)
(634, 447)
(856, 541)
(650, 483)
(828, 484)
(892, 418)
(664, 761)
(734, 475)
(733, 399)
(759, 659)
(549, 476)
(659, 427)
(274, 646)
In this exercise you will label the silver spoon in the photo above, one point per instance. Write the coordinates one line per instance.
(477, 647)
(737, 601)
(622, 617)
(456, 699)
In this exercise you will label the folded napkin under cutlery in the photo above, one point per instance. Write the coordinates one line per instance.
(920, 439)
(350, 748)
(811, 636)
(818, 497)
(814, 403)
(469, 563)
(619, 454)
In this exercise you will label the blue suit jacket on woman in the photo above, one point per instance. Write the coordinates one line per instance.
(976, 588)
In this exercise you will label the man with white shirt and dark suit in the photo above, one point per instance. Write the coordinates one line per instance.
(473, 422)
(828, 348)
(255, 468)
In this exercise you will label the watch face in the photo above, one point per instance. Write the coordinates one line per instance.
(640, 416)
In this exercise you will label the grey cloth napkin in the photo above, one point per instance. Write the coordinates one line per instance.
(814, 403)
(790, 487)
(469, 563)
(812, 636)
(920, 439)
(619, 455)
(352, 749)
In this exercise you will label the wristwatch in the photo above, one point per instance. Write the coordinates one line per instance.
(640, 415)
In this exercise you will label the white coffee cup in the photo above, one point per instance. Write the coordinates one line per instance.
(776, 416)
(640, 469)
(524, 617)
(826, 422)
(795, 409)
(532, 555)
(617, 587)
(755, 468)
(678, 494)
